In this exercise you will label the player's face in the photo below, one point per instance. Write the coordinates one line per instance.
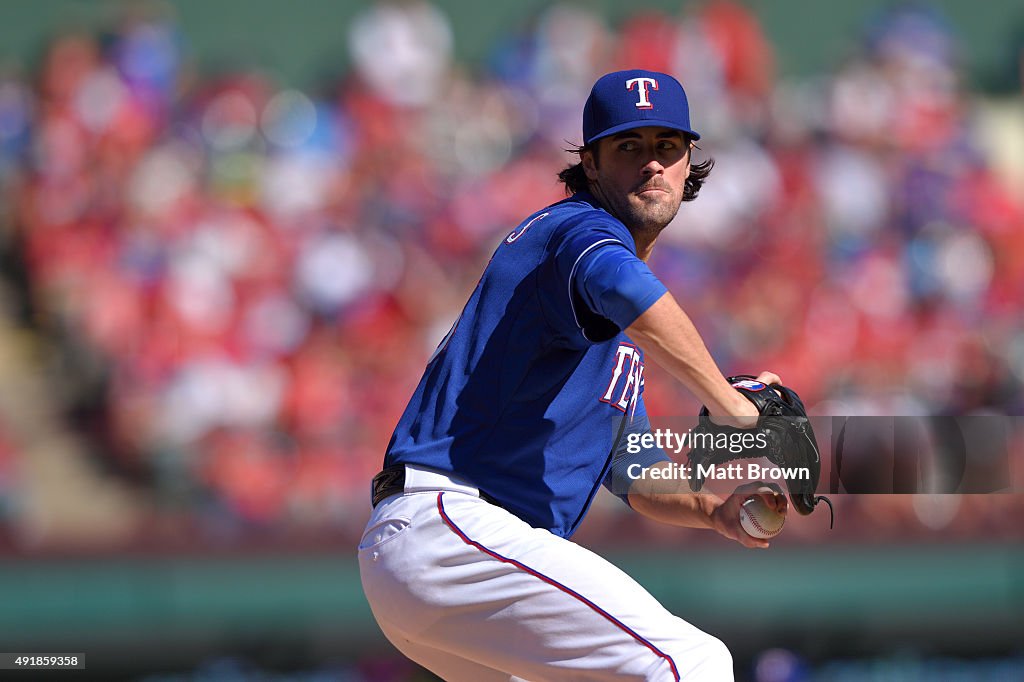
(639, 175)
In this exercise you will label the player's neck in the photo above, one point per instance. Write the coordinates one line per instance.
(644, 242)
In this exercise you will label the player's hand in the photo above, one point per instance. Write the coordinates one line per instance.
(767, 377)
(726, 517)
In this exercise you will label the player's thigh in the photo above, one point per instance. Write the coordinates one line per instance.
(444, 664)
(545, 608)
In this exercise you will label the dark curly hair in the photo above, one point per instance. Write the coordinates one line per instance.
(575, 178)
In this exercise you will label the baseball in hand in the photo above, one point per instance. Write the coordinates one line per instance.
(759, 520)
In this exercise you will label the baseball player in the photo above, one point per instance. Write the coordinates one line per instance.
(522, 414)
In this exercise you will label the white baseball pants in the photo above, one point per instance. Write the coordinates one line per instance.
(471, 592)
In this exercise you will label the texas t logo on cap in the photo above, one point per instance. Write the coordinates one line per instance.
(642, 85)
(624, 100)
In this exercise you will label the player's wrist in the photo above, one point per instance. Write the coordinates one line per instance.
(737, 411)
(717, 520)
(711, 506)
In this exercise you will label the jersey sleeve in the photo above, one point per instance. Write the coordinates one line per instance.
(595, 285)
(630, 456)
(617, 285)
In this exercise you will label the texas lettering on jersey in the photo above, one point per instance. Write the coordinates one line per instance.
(627, 378)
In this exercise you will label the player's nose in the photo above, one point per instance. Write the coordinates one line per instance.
(652, 167)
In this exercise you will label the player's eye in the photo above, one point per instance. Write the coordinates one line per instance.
(629, 146)
(666, 144)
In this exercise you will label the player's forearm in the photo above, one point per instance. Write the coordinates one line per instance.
(671, 501)
(667, 335)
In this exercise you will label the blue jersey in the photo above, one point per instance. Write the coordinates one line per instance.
(529, 393)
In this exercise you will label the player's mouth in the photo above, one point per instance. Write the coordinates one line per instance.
(651, 190)
(652, 187)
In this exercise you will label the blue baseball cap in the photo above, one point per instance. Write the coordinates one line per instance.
(624, 100)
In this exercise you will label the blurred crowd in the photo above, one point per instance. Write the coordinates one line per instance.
(244, 280)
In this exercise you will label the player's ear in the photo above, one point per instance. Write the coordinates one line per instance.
(589, 160)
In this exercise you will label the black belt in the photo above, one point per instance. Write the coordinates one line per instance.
(391, 481)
